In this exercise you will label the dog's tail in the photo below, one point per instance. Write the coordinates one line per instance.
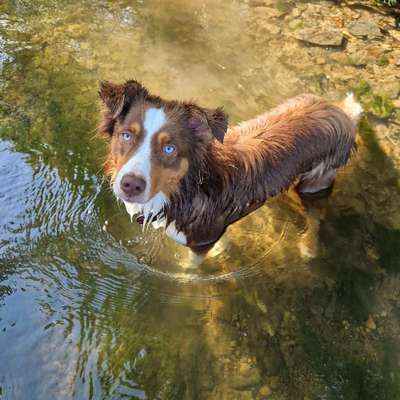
(351, 107)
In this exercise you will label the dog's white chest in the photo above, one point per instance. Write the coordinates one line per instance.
(171, 231)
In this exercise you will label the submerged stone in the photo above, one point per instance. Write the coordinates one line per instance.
(364, 28)
(370, 324)
(265, 391)
(246, 377)
(381, 106)
(331, 37)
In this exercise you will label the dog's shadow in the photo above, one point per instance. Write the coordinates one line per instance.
(362, 221)
(326, 329)
(357, 220)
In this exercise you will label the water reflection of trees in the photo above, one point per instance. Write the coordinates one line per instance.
(48, 101)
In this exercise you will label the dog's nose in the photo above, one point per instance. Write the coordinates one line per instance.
(132, 185)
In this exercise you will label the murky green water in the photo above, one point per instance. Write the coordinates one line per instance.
(91, 307)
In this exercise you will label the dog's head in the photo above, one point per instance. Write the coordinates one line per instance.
(153, 141)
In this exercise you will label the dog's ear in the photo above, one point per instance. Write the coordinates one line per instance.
(118, 98)
(210, 122)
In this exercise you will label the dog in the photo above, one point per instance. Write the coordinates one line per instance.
(178, 165)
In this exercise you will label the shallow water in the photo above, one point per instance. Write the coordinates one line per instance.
(92, 307)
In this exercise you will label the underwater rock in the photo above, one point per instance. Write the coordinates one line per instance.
(265, 391)
(247, 376)
(273, 382)
(381, 106)
(268, 12)
(262, 3)
(340, 58)
(330, 37)
(365, 29)
(273, 29)
(395, 35)
(295, 24)
(370, 324)
(360, 58)
(389, 87)
(246, 395)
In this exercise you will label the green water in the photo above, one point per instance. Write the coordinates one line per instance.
(92, 307)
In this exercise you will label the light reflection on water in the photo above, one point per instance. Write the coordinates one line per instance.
(93, 307)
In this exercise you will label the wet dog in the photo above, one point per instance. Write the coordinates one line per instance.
(178, 165)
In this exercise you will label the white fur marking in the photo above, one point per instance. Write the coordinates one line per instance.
(149, 209)
(319, 178)
(352, 107)
(316, 172)
(173, 233)
(140, 163)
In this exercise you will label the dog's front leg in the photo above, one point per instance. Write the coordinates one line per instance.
(196, 257)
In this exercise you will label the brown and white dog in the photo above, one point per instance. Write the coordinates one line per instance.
(179, 165)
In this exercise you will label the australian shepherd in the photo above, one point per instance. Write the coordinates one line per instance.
(178, 165)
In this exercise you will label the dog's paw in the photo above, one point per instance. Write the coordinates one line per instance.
(306, 251)
(192, 260)
(309, 240)
(220, 247)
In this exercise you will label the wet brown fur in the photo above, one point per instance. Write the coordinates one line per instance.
(221, 183)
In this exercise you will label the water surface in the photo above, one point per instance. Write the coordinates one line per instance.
(92, 307)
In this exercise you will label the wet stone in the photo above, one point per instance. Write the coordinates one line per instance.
(390, 88)
(365, 29)
(296, 12)
(269, 12)
(273, 382)
(360, 58)
(340, 58)
(370, 324)
(268, 329)
(272, 29)
(395, 35)
(265, 391)
(295, 24)
(244, 395)
(316, 36)
(247, 376)
(261, 3)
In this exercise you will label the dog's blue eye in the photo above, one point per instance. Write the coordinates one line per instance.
(168, 149)
(126, 135)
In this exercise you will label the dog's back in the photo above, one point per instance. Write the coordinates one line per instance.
(306, 138)
(323, 175)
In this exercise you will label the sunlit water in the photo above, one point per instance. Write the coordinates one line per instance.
(93, 307)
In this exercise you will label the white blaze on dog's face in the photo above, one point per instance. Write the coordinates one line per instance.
(149, 160)
(132, 181)
(152, 141)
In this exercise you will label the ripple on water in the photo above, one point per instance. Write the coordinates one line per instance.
(117, 262)
(249, 270)
(162, 264)
(36, 201)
